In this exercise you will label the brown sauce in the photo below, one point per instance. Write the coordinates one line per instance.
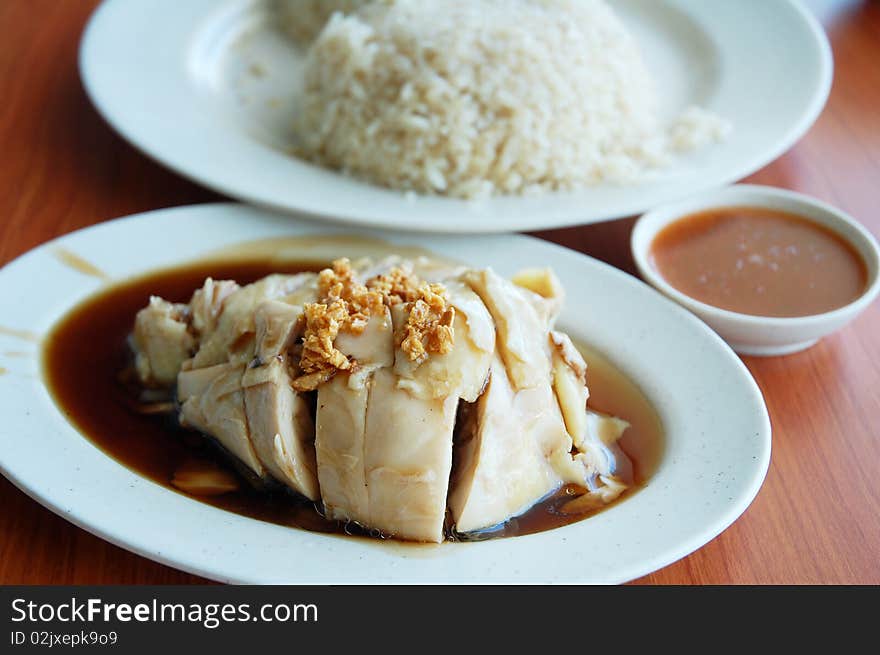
(24, 335)
(759, 261)
(79, 264)
(86, 351)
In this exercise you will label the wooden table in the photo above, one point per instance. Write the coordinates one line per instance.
(817, 517)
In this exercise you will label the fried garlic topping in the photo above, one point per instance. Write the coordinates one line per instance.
(338, 284)
(346, 305)
(320, 359)
(428, 327)
(396, 286)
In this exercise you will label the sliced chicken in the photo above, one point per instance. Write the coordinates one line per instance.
(366, 268)
(519, 447)
(546, 292)
(212, 401)
(501, 467)
(304, 293)
(162, 342)
(463, 371)
(607, 470)
(207, 303)
(392, 350)
(233, 338)
(384, 435)
(437, 270)
(521, 329)
(407, 459)
(374, 347)
(341, 421)
(281, 427)
(277, 327)
(411, 420)
(570, 383)
(599, 447)
(237, 386)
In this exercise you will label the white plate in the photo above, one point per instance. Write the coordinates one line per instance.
(205, 87)
(716, 425)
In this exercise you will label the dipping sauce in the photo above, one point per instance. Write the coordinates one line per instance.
(86, 354)
(759, 261)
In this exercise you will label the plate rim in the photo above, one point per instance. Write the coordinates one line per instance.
(115, 533)
(461, 214)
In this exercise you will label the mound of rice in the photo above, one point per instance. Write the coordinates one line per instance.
(303, 20)
(472, 98)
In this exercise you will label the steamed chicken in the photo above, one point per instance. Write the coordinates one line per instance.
(412, 397)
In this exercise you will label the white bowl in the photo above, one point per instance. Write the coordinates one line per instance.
(761, 335)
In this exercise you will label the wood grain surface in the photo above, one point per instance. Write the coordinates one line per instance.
(817, 517)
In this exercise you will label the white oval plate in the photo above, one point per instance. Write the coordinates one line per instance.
(716, 425)
(205, 87)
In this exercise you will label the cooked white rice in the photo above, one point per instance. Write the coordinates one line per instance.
(471, 98)
(304, 19)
